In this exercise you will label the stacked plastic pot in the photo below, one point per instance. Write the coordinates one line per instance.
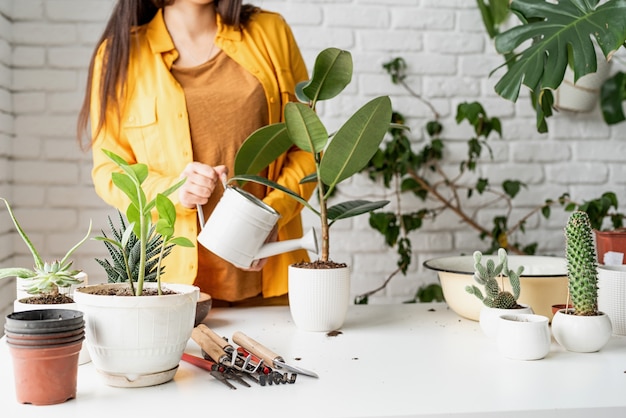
(44, 345)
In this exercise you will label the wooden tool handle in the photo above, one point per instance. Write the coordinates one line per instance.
(208, 345)
(215, 338)
(256, 348)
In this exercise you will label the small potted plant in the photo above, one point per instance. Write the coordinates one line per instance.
(583, 328)
(48, 283)
(157, 318)
(338, 156)
(497, 300)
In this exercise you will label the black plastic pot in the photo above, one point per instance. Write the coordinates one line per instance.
(44, 321)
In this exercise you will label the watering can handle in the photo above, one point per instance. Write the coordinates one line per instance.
(224, 183)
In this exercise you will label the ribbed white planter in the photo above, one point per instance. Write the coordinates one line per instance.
(319, 298)
(582, 334)
(137, 341)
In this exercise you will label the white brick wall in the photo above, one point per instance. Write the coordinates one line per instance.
(45, 47)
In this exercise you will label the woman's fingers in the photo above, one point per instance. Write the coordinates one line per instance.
(202, 179)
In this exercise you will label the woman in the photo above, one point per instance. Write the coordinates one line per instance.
(178, 85)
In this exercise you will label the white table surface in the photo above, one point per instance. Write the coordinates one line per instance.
(404, 360)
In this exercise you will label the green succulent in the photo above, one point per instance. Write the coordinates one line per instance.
(124, 253)
(487, 275)
(45, 277)
(582, 267)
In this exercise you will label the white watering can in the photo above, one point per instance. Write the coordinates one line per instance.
(238, 227)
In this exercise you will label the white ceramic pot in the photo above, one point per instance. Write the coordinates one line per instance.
(523, 336)
(319, 298)
(137, 341)
(489, 318)
(582, 95)
(582, 334)
(612, 295)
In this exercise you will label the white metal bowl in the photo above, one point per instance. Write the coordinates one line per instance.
(543, 282)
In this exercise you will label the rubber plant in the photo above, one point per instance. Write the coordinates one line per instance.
(337, 155)
(553, 35)
(141, 228)
(489, 274)
(49, 280)
(582, 267)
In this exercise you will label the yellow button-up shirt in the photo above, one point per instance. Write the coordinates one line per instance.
(153, 128)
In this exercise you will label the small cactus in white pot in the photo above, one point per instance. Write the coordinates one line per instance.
(496, 299)
(582, 328)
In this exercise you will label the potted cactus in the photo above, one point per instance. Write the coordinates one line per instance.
(582, 328)
(497, 299)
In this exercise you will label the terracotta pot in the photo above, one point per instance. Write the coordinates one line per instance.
(558, 307)
(613, 243)
(45, 375)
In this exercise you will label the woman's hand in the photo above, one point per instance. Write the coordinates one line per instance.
(201, 182)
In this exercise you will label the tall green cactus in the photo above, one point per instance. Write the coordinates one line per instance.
(582, 267)
(487, 275)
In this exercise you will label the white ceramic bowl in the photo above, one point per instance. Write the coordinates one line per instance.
(543, 282)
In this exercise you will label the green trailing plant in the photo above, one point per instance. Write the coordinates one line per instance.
(141, 227)
(337, 155)
(426, 174)
(582, 266)
(553, 35)
(46, 279)
(125, 259)
(489, 274)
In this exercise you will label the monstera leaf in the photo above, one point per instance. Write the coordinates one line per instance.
(558, 34)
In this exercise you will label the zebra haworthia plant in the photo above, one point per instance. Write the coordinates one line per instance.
(487, 275)
(582, 267)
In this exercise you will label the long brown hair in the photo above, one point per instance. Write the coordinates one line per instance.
(116, 37)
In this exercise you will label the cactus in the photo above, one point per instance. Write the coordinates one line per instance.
(582, 269)
(495, 296)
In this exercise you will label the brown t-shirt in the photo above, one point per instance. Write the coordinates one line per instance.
(225, 104)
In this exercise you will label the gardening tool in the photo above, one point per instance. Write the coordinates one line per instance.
(218, 371)
(239, 226)
(273, 359)
(219, 350)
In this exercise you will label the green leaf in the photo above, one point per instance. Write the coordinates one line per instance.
(353, 208)
(356, 142)
(182, 241)
(148, 206)
(612, 96)
(261, 148)
(332, 72)
(22, 273)
(166, 211)
(127, 186)
(305, 128)
(36, 257)
(558, 33)
(274, 185)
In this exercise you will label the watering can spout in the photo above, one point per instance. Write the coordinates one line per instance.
(307, 242)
